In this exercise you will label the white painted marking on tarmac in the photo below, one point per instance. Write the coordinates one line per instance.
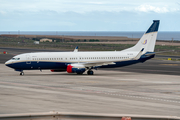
(128, 79)
(142, 80)
(160, 82)
(91, 89)
(147, 98)
(132, 96)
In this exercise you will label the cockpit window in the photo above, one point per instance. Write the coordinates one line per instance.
(15, 59)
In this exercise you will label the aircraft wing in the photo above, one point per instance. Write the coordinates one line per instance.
(98, 64)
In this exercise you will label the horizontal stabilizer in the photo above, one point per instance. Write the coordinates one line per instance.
(149, 54)
(153, 53)
(164, 51)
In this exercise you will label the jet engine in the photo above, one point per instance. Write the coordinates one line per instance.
(75, 68)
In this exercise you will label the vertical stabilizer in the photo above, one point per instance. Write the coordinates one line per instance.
(148, 40)
(76, 49)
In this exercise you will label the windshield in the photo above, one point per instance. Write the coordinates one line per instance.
(15, 59)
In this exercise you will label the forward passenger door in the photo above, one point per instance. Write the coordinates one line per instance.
(28, 59)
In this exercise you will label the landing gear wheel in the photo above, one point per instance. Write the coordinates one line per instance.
(21, 73)
(90, 72)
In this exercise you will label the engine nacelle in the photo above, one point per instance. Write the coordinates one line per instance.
(76, 69)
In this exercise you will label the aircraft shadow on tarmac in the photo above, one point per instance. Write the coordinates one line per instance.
(100, 73)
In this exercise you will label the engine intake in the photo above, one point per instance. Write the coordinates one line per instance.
(73, 69)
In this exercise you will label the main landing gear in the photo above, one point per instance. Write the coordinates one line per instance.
(90, 72)
(21, 73)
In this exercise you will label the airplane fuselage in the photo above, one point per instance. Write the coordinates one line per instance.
(60, 60)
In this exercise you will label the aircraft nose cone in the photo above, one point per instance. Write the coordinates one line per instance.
(7, 63)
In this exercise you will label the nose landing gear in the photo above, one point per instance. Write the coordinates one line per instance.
(21, 73)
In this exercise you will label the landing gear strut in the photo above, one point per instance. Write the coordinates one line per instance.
(90, 72)
(21, 73)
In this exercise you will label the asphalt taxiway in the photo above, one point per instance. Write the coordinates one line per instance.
(150, 88)
(116, 92)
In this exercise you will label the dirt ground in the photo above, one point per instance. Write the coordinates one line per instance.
(134, 42)
(102, 39)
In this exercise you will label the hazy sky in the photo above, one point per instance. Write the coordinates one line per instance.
(88, 15)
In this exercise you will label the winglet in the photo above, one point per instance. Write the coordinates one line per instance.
(139, 54)
(76, 49)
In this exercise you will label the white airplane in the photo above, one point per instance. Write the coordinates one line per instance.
(79, 62)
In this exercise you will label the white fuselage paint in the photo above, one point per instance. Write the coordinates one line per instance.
(74, 57)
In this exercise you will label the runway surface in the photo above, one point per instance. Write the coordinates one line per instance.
(105, 92)
(153, 67)
(150, 88)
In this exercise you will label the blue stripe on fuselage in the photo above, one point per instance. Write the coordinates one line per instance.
(38, 65)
